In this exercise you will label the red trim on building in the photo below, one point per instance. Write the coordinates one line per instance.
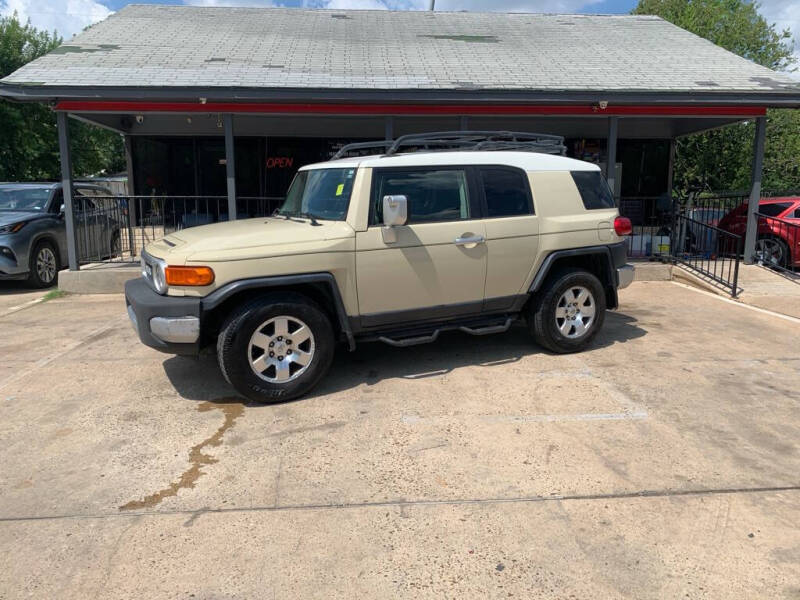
(411, 109)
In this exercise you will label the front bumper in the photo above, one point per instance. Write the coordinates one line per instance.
(625, 275)
(168, 324)
(14, 256)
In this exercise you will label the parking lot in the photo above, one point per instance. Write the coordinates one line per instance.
(663, 463)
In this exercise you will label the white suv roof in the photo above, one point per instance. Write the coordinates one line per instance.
(528, 161)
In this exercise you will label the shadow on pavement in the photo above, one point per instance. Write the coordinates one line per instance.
(200, 379)
(18, 286)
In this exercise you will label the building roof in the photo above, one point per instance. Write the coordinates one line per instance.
(188, 47)
(528, 161)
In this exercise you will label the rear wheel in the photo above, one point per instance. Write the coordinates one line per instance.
(772, 251)
(276, 348)
(43, 265)
(569, 312)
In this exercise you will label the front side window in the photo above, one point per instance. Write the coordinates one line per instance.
(774, 209)
(434, 195)
(594, 190)
(319, 193)
(506, 192)
(15, 197)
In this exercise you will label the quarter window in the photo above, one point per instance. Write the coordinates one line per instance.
(433, 194)
(594, 190)
(506, 192)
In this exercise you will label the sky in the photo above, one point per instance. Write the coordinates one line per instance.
(68, 17)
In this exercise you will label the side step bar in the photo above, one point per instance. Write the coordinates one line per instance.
(413, 341)
(434, 335)
(488, 330)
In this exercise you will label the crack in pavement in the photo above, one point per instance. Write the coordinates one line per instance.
(642, 494)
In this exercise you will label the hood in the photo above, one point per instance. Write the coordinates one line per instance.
(249, 238)
(7, 217)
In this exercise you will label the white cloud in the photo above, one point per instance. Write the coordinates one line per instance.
(785, 14)
(245, 3)
(67, 17)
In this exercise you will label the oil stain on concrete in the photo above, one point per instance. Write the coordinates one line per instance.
(232, 409)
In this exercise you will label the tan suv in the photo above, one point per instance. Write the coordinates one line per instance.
(397, 248)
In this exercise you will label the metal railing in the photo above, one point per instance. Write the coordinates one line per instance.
(778, 246)
(711, 252)
(116, 228)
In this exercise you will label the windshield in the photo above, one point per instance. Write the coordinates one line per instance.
(23, 197)
(319, 193)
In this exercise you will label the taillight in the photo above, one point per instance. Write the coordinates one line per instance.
(622, 226)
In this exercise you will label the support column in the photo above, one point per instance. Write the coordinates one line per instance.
(132, 208)
(230, 166)
(66, 185)
(611, 154)
(755, 190)
(671, 168)
(388, 128)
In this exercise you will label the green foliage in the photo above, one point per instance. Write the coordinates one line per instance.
(28, 135)
(733, 24)
(721, 159)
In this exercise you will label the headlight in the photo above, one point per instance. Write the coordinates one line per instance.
(153, 272)
(159, 278)
(13, 228)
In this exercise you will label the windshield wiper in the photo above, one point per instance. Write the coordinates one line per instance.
(310, 217)
(291, 216)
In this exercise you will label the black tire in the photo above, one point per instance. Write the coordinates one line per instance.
(774, 253)
(234, 353)
(43, 277)
(542, 319)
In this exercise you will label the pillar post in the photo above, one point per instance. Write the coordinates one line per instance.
(66, 186)
(611, 155)
(755, 190)
(230, 166)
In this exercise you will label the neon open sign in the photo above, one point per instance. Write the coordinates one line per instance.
(279, 162)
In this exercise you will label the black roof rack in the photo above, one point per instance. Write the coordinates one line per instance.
(463, 140)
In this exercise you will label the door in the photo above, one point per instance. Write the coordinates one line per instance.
(436, 266)
(512, 233)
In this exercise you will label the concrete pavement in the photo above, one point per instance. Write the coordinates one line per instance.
(662, 463)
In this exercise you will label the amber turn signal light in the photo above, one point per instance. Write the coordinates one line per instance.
(190, 276)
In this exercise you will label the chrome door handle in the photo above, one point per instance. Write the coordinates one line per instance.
(475, 239)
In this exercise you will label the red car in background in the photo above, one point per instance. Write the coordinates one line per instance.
(778, 241)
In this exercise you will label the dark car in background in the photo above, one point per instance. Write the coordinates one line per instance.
(778, 241)
(33, 236)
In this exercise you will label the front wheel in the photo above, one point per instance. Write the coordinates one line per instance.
(772, 251)
(276, 348)
(44, 265)
(569, 312)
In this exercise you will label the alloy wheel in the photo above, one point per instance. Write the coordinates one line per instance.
(46, 264)
(281, 349)
(769, 251)
(575, 312)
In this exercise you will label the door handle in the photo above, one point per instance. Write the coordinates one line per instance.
(465, 241)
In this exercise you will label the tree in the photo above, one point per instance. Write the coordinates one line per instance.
(720, 159)
(28, 134)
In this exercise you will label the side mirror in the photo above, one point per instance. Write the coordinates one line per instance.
(395, 212)
(61, 210)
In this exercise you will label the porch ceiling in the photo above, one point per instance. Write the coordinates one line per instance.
(374, 127)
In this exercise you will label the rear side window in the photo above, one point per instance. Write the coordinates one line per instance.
(506, 192)
(774, 209)
(434, 195)
(594, 190)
